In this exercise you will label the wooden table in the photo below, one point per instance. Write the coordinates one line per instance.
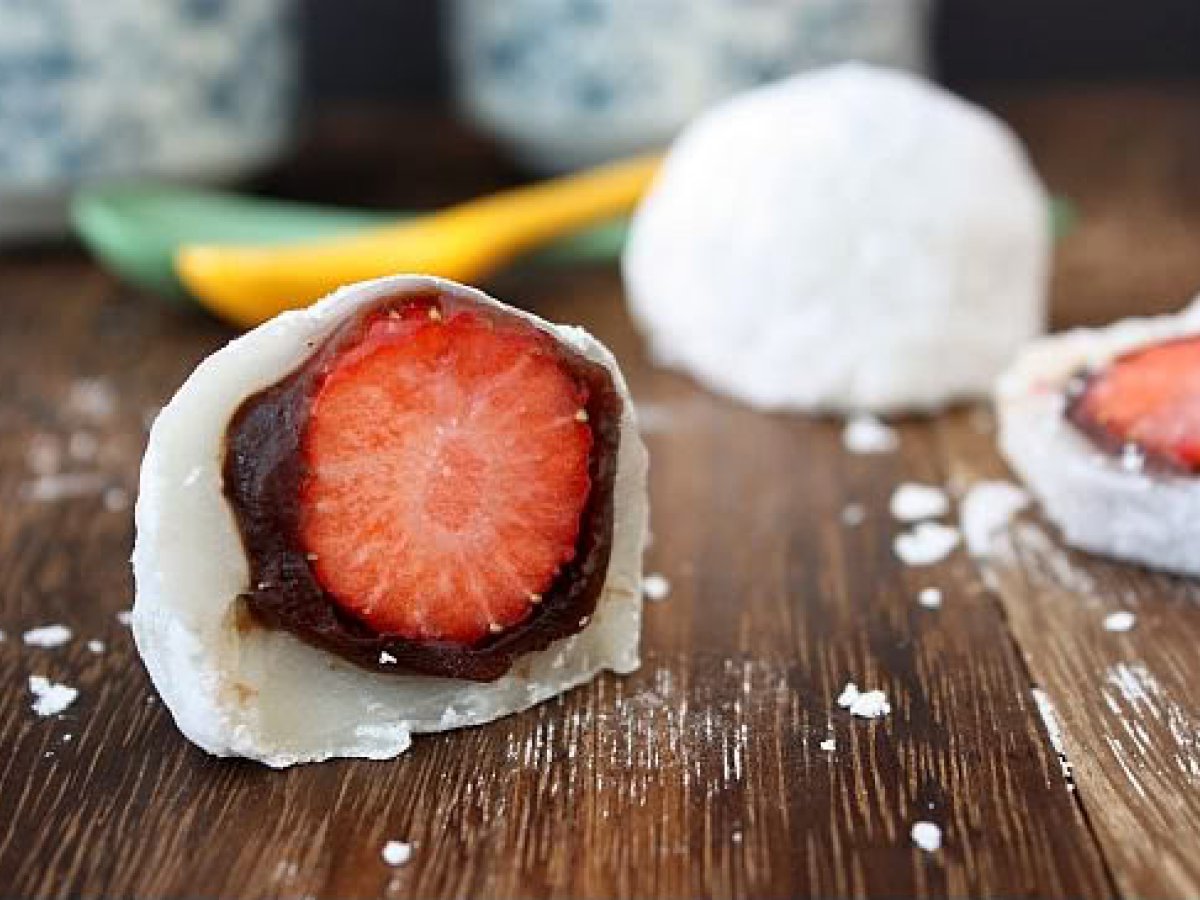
(702, 774)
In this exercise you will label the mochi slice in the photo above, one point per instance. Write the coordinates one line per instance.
(1104, 500)
(263, 693)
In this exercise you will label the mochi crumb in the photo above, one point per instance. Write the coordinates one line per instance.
(396, 853)
(47, 636)
(986, 511)
(927, 836)
(53, 488)
(95, 646)
(853, 514)
(116, 499)
(866, 434)
(92, 398)
(930, 598)
(656, 587)
(927, 543)
(49, 698)
(828, 745)
(386, 658)
(864, 704)
(913, 502)
(1120, 621)
(125, 616)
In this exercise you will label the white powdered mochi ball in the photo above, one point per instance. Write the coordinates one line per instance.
(851, 239)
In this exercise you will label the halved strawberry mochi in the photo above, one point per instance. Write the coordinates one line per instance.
(1147, 399)
(431, 491)
(447, 473)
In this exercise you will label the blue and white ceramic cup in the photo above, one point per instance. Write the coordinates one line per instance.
(93, 90)
(566, 83)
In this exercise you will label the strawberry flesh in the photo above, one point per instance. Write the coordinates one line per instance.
(431, 492)
(448, 470)
(1149, 400)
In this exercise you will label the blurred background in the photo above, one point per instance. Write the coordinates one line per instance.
(413, 105)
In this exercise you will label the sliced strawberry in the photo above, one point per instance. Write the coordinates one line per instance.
(1148, 399)
(447, 473)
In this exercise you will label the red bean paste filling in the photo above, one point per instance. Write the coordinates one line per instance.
(264, 469)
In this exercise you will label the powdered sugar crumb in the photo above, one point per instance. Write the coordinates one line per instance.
(47, 636)
(828, 745)
(125, 616)
(116, 499)
(52, 488)
(50, 699)
(853, 514)
(927, 543)
(1120, 621)
(986, 511)
(930, 598)
(927, 836)
(396, 853)
(656, 587)
(95, 646)
(866, 434)
(913, 502)
(92, 398)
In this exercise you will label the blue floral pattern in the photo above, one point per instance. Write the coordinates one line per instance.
(113, 88)
(573, 81)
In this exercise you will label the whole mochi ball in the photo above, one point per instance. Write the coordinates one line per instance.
(852, 239)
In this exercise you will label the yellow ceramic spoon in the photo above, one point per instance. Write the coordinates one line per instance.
(248, 285)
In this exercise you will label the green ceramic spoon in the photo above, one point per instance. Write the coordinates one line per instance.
(134, 230)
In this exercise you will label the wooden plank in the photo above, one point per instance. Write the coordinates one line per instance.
(1125, 701)
(701, 775)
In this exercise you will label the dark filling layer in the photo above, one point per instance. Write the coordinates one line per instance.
(263, 473)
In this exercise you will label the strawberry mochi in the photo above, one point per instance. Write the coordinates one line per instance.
(1103, 425)
(407, 509)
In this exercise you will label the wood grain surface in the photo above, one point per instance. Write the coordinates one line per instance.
(703, 774)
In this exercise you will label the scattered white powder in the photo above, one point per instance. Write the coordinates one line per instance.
(52, 488)
(828, 745)
(864, 704)
(914, 502)
(1120, 621)
(125, 616)
(49, 698)
(396, 853)
(866, 434)
(386, 658)
(95, 646)
(656, 587)
(927, 543)
(853, 514)
(92, 398)
(986, 512)
(82, 446)
(930, 598)
(927, 836)
(47, 636)
(116, 499)
(1054, 732)
(43, 455)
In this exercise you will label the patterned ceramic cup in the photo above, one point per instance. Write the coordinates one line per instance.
(197, 90)
(571, 82)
